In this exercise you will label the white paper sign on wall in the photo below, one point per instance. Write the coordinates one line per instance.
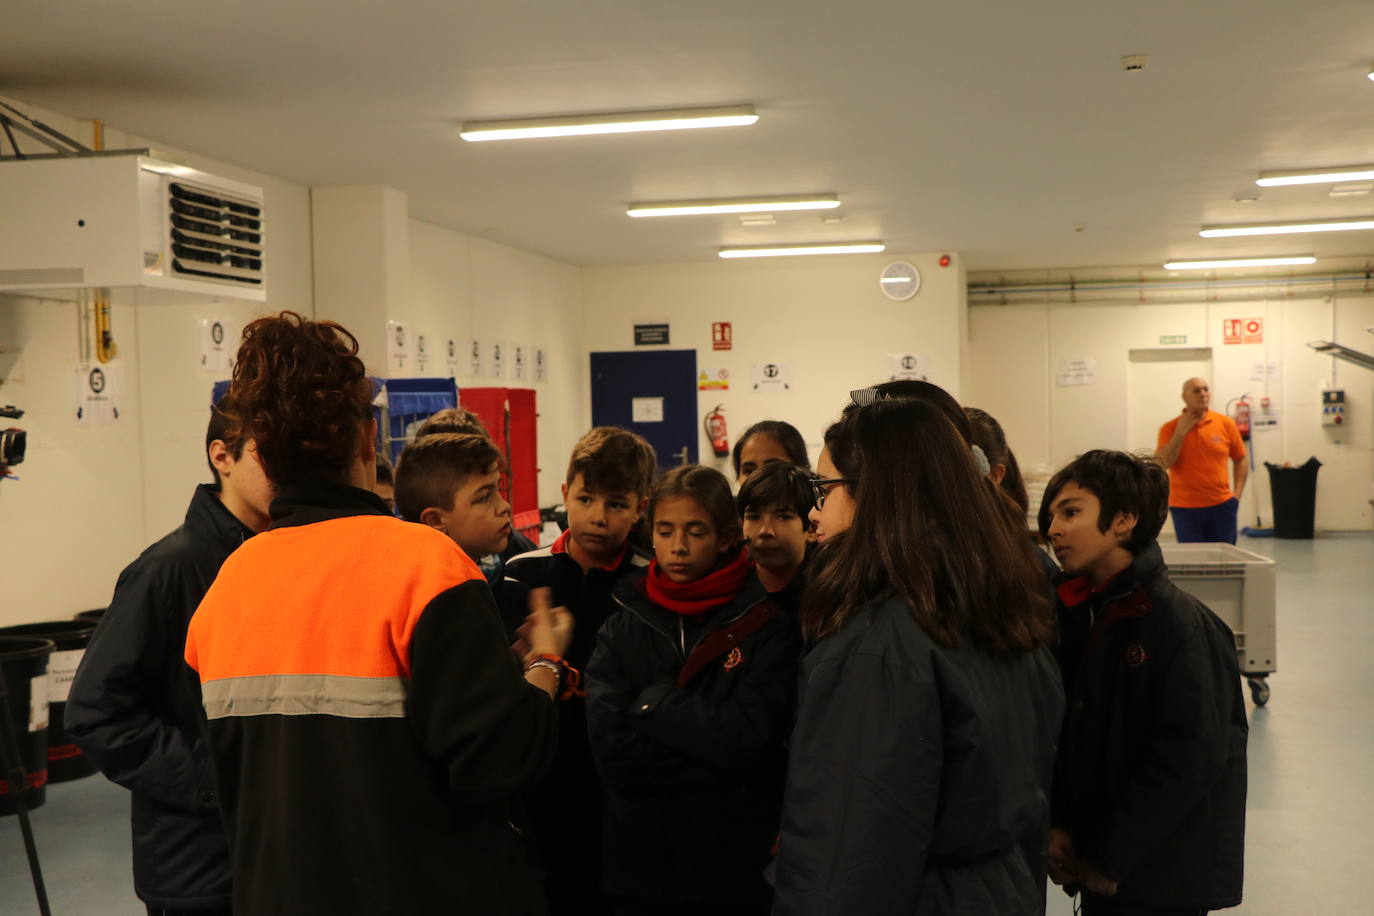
(421, 354)
(1265, 372)
(908, 366)
(215, 344)
(476, 350)
(451, 357)
(1080, 370)
(498, 359)
(399, 347)
(772, 377)
(96, 394)
(646, 410)
(518, 352)
(541, 365)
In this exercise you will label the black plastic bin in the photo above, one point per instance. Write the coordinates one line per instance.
(24, 666)
(65, 760)
(1294, 492)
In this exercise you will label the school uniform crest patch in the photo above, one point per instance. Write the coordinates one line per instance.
(1136, 655)
(733, 659)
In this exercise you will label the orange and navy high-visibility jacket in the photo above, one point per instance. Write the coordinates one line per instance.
(370, 727)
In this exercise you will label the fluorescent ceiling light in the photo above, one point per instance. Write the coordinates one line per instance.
(736, 205)
(1322, 225)
(1240, 262)
(779, 251)
(1315, 176)
(621, 122)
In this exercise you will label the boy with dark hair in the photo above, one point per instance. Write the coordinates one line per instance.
(462, 420)
(452, 420)
(452, 482)
(134, 710)
(774, 503)
(1150, 781)
(606, 491)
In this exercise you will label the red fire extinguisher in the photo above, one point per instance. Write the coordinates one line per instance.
(716, 431)
(1243, 417)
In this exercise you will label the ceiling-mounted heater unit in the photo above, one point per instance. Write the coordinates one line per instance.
(129, 221)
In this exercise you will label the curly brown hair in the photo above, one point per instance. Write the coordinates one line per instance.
(302, 394)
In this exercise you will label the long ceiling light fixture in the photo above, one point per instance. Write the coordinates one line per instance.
(779, 251)
(735, 205)
(1315, 176)
(621, 122)
(1318, 225)
(1240, 262)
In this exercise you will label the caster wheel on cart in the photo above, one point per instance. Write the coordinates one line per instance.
(1259, 692)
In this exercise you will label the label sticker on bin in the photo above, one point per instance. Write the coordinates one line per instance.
(38, 703)
(61, 669)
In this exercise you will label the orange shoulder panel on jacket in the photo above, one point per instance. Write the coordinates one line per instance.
(338, 597)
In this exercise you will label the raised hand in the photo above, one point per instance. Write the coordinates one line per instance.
(547, 630)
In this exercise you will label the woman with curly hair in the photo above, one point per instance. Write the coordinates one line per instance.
(370, 729)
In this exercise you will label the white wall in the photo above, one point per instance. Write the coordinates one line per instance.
(90, 499)
(464, 287)
(824, 317)
(1016, 350)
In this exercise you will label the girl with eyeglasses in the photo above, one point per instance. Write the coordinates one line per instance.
(920, 765)
(691, 692)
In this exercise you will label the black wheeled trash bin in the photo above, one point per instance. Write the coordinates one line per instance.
(1294, 492)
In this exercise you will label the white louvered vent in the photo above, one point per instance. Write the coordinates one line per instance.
(148, 230)
(214, 235)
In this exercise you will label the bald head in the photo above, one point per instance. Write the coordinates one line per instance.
(1197, 394)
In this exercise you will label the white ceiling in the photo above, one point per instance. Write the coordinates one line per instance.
(987, 128)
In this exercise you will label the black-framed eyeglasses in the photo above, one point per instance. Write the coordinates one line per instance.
(821, 487)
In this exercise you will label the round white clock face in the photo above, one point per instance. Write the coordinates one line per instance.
(900, 281)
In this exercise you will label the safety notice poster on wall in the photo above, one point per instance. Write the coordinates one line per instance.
(772, 377)
(908, 367)
(1081, 370)
(475, 351)
(96, 391)
(216, 345)
(400, 354)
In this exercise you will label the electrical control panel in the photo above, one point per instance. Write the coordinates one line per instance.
(1333, 407)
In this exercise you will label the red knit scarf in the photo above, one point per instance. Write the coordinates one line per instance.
(694, 598)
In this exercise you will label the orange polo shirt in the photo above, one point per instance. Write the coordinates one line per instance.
(1201, 476)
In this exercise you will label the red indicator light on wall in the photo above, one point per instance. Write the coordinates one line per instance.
(944, 260)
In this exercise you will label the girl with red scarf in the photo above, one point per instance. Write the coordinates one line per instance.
(690, 694)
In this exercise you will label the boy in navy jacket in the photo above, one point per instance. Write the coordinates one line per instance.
(1149, 796)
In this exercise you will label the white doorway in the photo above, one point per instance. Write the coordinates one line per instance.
(1154, 394)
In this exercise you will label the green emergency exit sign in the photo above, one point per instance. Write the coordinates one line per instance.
(1174, 339)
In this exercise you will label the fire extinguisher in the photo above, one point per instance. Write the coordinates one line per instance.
(716, 432)
(1243, 417)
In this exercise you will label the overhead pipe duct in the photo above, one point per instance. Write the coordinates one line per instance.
(1121, 290)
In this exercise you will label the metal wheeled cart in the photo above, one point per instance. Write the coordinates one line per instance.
(1239, 588)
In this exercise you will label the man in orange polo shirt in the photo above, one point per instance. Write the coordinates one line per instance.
(1195, 446)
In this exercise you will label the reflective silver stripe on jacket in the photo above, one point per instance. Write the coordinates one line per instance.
(305, 695)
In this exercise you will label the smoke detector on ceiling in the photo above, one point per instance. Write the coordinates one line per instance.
(1133, 63)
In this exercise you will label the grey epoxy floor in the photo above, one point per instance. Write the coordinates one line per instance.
(1311, 810)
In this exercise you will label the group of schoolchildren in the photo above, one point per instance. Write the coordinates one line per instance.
(863, 689)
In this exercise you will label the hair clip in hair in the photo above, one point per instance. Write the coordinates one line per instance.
(980, 458)
(865, 397)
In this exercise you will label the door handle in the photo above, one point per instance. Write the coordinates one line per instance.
(682, 456)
